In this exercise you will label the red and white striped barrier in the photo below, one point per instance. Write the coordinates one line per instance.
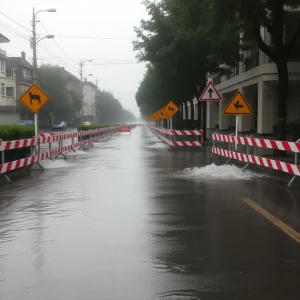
(256, 142)
(43, 139)
(162, 133)
(248, 158)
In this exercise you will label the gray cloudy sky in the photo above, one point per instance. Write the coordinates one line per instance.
(109, 22)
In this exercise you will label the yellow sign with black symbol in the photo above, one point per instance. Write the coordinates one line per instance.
(171, 109)
(34, 98)
(238, 106)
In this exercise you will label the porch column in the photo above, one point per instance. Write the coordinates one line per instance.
(223, 119)
(265, 107)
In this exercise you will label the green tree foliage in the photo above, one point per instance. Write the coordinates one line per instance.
(182, 45)
(50, 79)
(275, 15)
(110, 110)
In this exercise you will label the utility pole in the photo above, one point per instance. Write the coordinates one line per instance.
(34, 56)
(34, 62)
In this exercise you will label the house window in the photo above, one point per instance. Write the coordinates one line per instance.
(2, 66)
(2, 89)
(27, 74)
(10, 72)
(10, 92)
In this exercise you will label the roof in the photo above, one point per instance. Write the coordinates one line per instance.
(69, 75)
(90, 83)
(18, 61)
(4, 39)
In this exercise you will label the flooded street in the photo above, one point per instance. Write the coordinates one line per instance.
(131, 220)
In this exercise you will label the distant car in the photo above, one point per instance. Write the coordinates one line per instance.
(59, 125)
(87, 123)
(26, 123)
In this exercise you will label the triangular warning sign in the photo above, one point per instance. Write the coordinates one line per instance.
(210, 93)
(237, 106)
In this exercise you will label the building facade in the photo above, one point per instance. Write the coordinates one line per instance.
(257, 78)
(8, 109)
(73, 86)
(89, 107)
(23, 71)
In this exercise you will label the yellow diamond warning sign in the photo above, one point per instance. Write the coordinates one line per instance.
(171, 109)
(238, 106)
(34, 98)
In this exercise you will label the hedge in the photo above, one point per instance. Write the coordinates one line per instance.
(94, 126)
(15, 132)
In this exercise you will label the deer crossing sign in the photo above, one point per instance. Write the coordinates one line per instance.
(34, 98)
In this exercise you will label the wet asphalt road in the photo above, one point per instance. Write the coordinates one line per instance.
(128, 220)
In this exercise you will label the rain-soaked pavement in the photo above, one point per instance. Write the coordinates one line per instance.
(131, 220)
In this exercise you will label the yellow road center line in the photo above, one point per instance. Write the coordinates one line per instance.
(284, 227)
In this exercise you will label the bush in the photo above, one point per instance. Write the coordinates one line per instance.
(94, 126)
(15, 132)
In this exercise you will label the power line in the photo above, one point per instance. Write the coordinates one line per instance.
(13, 31)
(61, 49)
(113, 64)
(14, 21)
(95, 59)
(95, 37)
(57, 59)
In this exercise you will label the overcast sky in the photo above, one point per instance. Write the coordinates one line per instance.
(110, 24)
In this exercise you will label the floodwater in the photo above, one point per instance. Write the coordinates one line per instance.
(131, 220)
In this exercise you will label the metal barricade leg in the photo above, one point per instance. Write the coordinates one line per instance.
(3, 162)
(230, 148)
(296, 163)
(213, 146)
(248, 153)
(50, 151)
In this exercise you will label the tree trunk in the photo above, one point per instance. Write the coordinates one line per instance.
(204, 107)
(192, 125)
(283, 90)
(186, 115)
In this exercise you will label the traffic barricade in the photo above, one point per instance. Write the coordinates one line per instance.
(251, 145)
(87, 138)
(179, 138)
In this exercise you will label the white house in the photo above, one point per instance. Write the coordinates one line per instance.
(8, 113)
(89, 91)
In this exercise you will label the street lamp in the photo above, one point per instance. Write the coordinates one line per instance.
(49, 36)
(34, 45)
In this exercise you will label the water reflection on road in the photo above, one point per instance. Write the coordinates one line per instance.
(130, 219)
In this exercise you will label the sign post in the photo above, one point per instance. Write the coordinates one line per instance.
(210, 93)
(237, 106)
(35, 99)
(169, 111)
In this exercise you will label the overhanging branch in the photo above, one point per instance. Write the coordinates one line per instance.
(291, 44)
(262, 45)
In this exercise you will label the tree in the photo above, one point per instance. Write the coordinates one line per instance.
(183, 46)
(250, 16)
(55, 85)
(110, 110)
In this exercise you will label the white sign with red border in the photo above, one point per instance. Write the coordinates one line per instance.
(210, 93)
